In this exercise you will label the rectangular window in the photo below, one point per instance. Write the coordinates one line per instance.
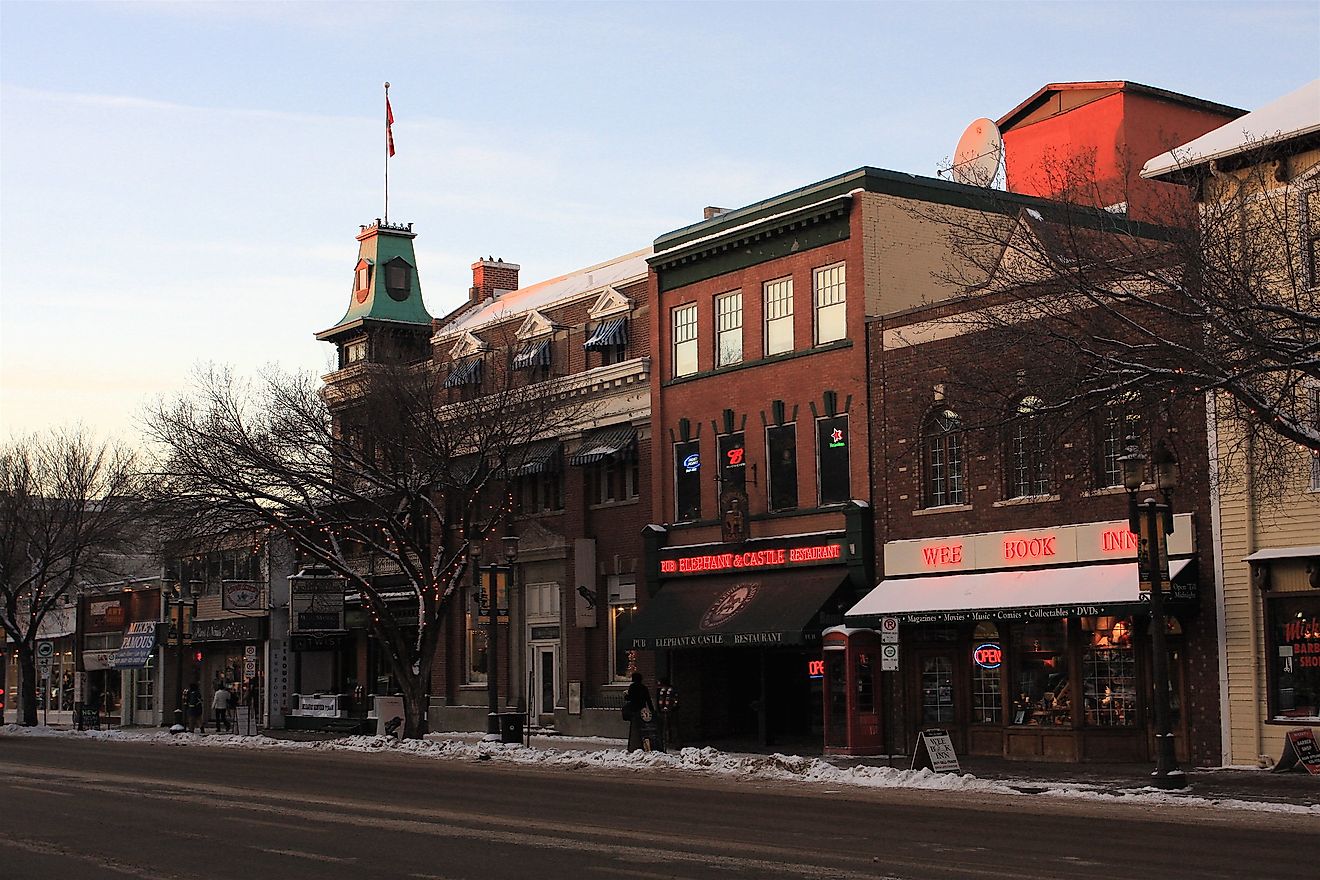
(615, 478)
(781, 454)
(623, 608)
(1109, 672)
(778, 316)
(685, 340)
(733, 462)
(539, 493)
(831, 304)
(687, 480)
(832, 459)
(1040, 675)
(1293, 623)
(477, 655)
(728, 329)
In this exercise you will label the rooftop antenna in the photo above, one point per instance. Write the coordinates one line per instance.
(979, 154)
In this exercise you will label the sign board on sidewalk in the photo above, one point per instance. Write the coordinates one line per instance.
(889, 630)
(1299, 747)
(389, 717)
(935, 750)
(889, 658)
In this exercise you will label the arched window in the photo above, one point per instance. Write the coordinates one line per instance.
(1117, 425)
(1027, 455)
(942, 452)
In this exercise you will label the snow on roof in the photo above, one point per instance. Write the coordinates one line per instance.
(1294, 115)
(620, 270)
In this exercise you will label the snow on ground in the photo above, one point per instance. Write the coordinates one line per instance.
(610, 754)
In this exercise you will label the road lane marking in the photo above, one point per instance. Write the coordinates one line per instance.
(270, 823)
(39, 789)
(50, 849)
(300, 854)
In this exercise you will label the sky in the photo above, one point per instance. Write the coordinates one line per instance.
(181, 183)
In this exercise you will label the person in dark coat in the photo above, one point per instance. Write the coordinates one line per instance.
(637, 699)
(192, 708)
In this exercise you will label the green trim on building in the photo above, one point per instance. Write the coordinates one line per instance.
(378, 245)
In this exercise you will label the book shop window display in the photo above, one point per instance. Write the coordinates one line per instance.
(1109, 672)
(1040, 674)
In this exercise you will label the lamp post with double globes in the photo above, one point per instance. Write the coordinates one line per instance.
(1152, 521)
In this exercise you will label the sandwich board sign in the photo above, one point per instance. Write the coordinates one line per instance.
(935, 750)
(1299, 747)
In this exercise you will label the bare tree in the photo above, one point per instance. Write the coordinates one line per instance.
(380, 466)
(69, 504)
(1213, 299)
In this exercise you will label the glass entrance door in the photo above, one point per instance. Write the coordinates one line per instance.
(545, 679)
(936, 690)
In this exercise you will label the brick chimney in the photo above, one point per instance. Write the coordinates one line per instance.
(491, 277)
(711, 211)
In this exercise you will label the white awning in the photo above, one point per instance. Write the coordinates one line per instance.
(1283, 553)
(1075, 589)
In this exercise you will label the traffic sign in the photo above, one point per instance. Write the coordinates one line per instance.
(889, 630)
(45, 649)
(43, 666)
(889, 658)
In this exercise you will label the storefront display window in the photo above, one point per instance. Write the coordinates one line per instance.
(144, 689)
(937, 690)
(1040, 674)
(987, 665)
(1109, 672)
(477, 654)
(1294, 659)
(624, 662)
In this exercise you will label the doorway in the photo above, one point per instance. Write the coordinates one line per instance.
(935, 692)
(544, 682)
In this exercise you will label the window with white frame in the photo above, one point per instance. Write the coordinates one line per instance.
(942, 459)
(728, 329)
(1028, 459)
(685, 339)
(778, 316)
(623, 607)
(1120, 424)
(831, 304)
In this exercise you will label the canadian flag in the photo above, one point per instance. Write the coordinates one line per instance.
(389, 125)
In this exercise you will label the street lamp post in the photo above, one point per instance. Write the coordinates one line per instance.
(510, 543)
(182, 596)
(1151, 521)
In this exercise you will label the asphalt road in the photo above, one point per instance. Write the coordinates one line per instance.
(79, 808)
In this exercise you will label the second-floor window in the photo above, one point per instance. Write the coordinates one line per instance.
(1118, 425)
(942, 449)
(831, 304)
(733, 462)
(778, 316)
(1027, 451)
(832, 466)
(614, 478)
(781, 463)
(685, 339)
(728, 329)
(687, 480)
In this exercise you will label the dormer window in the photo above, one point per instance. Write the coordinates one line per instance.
(362, 280)
(398, 279)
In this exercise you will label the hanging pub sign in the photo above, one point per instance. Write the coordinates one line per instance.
(240, 595)
(316, 601)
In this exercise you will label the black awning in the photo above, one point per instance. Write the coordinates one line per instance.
(603, 443)
(532, 354)
(753, 610)
(610, 332)
(466, 372)
(534, 458)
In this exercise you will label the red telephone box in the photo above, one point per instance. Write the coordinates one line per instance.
(852, 691)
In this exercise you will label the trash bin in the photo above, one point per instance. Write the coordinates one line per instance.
(511, 727)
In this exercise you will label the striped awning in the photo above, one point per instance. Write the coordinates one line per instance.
(466, 372)
(534, 458)
(610, 332)
(603, 443)
(533, 354)
(463, 468)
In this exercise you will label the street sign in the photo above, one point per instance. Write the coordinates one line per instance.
(43, 666)
(889, 658)
(889, 630)
(249, 650)
(45, 649)
(249, 667)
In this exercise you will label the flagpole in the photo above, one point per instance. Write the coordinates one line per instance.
(387, 153)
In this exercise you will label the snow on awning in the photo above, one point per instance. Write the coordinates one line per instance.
(1063, 590)
(533, 354)
(603, 443)
(610, 332)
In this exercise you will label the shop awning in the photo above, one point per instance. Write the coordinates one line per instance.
(1007, 595)
(603, 443)
(752, 610)
(532, 354)
(611, 331)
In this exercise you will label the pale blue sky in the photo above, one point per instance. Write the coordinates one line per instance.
(182, 182)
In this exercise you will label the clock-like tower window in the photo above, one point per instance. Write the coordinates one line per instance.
(398, 278)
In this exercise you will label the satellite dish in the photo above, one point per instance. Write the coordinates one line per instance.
(979, 154)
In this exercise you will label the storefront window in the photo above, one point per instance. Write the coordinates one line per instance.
(1294, 645)
(624, 659)
(1109, 679)
(1040, 674)
(477, 654)
(936, 689)
(987, 664)
(144, 693)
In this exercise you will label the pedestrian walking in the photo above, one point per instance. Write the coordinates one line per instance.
(666, 700)
(220, 704)
(638, 710)
(192, 707)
